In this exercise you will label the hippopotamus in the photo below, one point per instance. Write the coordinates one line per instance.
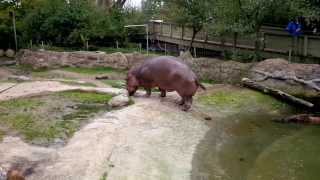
(168, 74)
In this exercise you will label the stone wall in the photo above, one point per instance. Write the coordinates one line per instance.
(51, 59)
(206, 68)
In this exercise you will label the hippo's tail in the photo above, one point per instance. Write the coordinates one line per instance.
(200, 85)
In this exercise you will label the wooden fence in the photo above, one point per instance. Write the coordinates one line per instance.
(275, 41)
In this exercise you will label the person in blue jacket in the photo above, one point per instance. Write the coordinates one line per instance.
(294, 28)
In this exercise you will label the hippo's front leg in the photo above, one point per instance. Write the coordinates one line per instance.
(148, 92)
(163, 92)
(182, 101)
(187, 104)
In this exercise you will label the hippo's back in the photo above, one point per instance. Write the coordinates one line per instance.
(169, 73)
(166, 65)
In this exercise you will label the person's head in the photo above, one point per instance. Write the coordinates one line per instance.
(132, 82)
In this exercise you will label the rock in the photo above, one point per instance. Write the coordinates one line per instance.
(102, 77)
(1, 52)
(51, 59)
(10, 53)
(208, 118)
(119, 101)
(19, 78)
(186, 55)
(282, 68)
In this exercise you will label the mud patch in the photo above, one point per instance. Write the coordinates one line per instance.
(51, 119)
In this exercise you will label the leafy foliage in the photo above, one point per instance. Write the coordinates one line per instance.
(63, 23)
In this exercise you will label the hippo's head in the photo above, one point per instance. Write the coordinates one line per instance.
(132, 83)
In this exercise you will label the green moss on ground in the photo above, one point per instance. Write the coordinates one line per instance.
(115, 83)
(1, 135)
(240, 99)
(85, 97)
(207, 81)
(42, 120)
(74, 83)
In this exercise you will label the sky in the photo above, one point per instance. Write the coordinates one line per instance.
(135, 3)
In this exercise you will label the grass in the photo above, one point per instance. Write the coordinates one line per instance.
(208, 81)
(42, 120)
(115, 83)
(93, 71)
(104, 176)
(74, 83)
(84, 97)
(239, 99)
(1, 135)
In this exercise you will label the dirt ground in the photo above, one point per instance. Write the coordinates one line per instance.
(97, 149)
(151, 139)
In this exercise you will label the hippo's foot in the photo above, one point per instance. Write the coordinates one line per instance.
(163, 92)
(186, 107)
(181, 103)
(163, 95)
(148, 93)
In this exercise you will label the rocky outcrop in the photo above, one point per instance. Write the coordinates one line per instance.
(296, 79)
(301, 80)
(51, 59)
(229, 72)
(10, 53)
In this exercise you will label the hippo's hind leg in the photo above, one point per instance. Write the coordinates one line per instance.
(188, 103)
(163, 92)
(148, 92)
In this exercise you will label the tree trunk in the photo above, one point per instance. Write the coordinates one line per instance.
(223, 46)
(276, 93)
(301, 118)
(257, 45)
(119, 3)
(235, 41)
(194, 33)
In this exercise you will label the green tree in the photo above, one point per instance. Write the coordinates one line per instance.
(193, 13)
(72, 23)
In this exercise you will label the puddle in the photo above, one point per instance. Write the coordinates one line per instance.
(247, 145)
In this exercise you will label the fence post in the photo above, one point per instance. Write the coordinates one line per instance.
(161, 29)
(305, 45)
(171, 33)
(182, 32)
(165, 48)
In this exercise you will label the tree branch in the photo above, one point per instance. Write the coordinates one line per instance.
(281, 76)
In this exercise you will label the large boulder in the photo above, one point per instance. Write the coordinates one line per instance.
(119, 101)
(51, 59)
(1, 52)
(10, 53)
(217, 70)
(282, 72)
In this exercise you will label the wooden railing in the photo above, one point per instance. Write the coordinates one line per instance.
(274, 40)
